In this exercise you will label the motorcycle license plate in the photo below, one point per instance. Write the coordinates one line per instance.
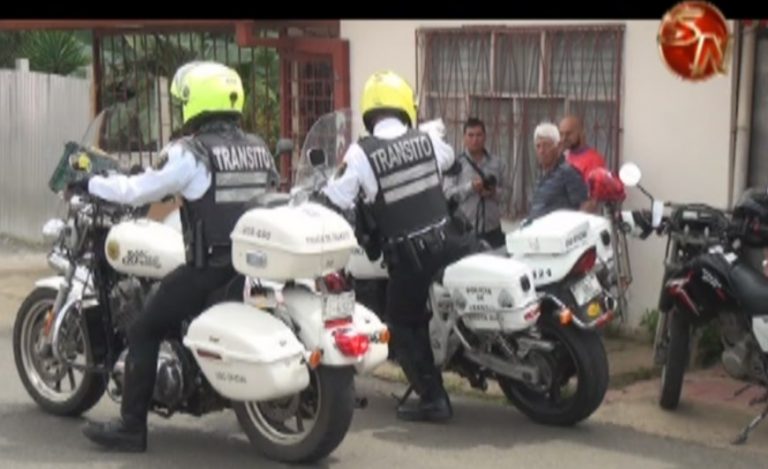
(586, 289)
(339, 305)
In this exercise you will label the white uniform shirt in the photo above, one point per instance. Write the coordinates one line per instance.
(182, 173)
(343, 191)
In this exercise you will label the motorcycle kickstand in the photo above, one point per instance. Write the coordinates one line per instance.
(742, 438)
(401, 399)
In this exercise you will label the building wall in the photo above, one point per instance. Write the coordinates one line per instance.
(677, 132)
(39, 113)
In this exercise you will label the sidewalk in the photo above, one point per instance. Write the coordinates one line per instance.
(628, 361)
(708, 414)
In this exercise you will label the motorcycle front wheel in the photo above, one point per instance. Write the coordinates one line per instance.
(574, 377)
(676, 360)
(56, 387)
(305, 427)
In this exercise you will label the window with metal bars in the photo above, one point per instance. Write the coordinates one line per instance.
(513, 78)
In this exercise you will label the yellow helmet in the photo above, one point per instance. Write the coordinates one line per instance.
(387, 91)
(204, 87)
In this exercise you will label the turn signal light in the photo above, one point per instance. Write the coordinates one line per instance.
(566, 316)
(314, 358)
(382, 337)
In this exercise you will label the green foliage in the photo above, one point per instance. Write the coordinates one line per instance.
(650, 321)
(709, 346)
(54, 52)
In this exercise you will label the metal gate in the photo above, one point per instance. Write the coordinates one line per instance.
(513, 78)
(133, 72)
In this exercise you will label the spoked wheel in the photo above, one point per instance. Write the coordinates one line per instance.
(57, 387)
(307, 426)
(573, 378)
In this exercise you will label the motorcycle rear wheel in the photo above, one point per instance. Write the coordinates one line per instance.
(578, 354)
(329, 402)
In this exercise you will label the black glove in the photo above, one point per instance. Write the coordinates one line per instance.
(319, 197)
(454, 170)
(642, 220)
(79, 186)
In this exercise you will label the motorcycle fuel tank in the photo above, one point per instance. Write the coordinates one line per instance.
(144, 248)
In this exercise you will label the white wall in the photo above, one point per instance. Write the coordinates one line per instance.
(677, 131)
(39, 113)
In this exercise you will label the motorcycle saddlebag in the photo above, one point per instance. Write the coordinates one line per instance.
(247, 354)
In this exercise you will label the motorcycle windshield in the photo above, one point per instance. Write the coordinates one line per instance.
(331, 134)
(84, 157)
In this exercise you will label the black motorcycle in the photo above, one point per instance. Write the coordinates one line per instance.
(707, 278)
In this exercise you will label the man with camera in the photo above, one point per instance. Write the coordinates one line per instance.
(475, 183)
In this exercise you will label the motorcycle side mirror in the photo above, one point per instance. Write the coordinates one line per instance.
(657, 211)
(284, 145)
(630, 174)
(316, 157)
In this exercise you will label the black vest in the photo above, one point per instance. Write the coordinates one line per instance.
(241, 167)
(410, 196)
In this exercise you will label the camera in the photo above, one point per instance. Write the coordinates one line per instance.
(489, 182)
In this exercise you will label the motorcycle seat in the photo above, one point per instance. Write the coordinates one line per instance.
(751, 289)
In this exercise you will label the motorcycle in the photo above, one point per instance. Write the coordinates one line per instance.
(490, 322)
(280, 344)
(706, 278)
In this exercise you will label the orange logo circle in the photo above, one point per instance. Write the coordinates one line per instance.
(694, 39)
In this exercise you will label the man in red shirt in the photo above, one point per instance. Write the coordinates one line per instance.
(581, 156)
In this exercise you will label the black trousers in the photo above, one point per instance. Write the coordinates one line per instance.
(182, 294)
(495, 238)
(408, 316)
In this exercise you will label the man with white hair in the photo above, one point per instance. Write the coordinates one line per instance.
(560, 186)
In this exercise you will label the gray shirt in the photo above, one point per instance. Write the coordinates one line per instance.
(469, 200)
(560, 188)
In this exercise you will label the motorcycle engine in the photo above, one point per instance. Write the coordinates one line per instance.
(126, 300)
(742, 358)
(170, 382)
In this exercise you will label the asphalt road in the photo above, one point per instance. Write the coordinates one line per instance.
(482, 434)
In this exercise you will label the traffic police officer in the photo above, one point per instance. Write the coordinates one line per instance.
(398, 169)
(217, 168)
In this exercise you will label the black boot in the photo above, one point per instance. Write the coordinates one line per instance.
(426, 409)
(116, 435)
(418, 363)
(129, 433)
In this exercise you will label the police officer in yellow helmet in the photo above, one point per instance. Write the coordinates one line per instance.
(397, 169)
(216, 168)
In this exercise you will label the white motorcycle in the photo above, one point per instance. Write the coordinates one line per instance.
(280, 344)
(489, 321)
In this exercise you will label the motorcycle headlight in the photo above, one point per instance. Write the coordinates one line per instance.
(52, 229)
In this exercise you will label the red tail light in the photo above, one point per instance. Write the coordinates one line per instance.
(586, 262)
(351, 343)
(331, 323)
(335, 283)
